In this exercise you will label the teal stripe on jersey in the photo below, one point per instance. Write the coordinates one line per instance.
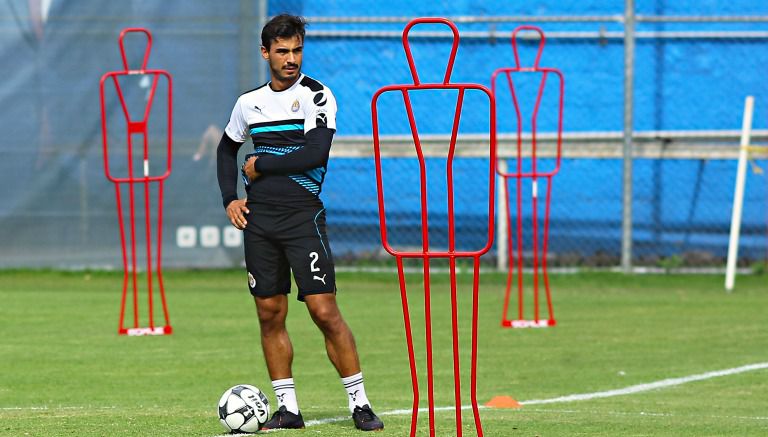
(276, 150)
(316, 173)
(311, 186)
(282, 127)
(321, 237)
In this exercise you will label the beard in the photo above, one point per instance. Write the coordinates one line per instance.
(282, 74)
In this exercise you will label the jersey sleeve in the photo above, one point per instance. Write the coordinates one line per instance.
(320, 110)
(237, 128)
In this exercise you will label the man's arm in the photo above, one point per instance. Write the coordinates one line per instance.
(314, 154)
(226, 168)
(226, 171)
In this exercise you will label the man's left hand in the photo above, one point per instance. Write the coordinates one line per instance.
(250, 170)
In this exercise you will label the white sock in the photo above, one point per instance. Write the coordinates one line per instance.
(285, 392)
(355, 391)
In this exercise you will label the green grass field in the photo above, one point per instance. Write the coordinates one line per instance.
(65, 371)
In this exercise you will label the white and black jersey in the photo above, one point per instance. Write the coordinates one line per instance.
(291, 132)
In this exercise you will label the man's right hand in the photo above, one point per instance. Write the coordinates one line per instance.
(236, 211)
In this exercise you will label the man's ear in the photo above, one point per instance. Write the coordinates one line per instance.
(264, 53)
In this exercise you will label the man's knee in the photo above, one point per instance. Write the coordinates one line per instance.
(329, 318)
(272, 311)
(326, 315)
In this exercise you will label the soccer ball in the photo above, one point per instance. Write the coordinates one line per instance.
(243, 409)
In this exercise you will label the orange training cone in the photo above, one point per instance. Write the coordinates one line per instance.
(503, 402)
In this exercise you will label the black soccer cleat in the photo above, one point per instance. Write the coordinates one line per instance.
(366, 420)
(284, 419)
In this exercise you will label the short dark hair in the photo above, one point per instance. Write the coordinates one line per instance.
(282, 26)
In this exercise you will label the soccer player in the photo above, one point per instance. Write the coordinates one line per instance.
(291, 121)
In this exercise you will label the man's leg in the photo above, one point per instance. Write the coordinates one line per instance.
(342, 351)
(269, 281)
(309, 255)
(278, 353)
(339, 342)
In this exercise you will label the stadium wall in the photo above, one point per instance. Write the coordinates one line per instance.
(58, 209)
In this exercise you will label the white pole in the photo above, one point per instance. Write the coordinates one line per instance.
(501, 215)
(738, 195)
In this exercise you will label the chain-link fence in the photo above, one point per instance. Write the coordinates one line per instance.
(688, 105)
(691, 76)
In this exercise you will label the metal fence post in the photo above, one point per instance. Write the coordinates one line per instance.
(629, 75)
(245, 37)
(262, 14)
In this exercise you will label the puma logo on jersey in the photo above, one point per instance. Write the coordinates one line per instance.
(318, 278)
(321, 120)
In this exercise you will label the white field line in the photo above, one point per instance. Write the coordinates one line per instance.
(641, 413)
(649, 386)
(402, 412)
(670, 382)
(60, 407)
(585, 396)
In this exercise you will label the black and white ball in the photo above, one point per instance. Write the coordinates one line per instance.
(243, 409)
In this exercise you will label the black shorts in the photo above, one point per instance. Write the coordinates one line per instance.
(281, 239)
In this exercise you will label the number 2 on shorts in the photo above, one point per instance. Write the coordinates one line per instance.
(312, 266)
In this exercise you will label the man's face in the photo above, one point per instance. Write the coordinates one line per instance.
(284, 57)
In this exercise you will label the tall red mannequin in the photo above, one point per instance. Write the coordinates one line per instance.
(426, 253)
(535, 175)
(139, 127)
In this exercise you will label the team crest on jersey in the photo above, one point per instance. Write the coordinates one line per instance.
(295, 106)
(251, 280)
